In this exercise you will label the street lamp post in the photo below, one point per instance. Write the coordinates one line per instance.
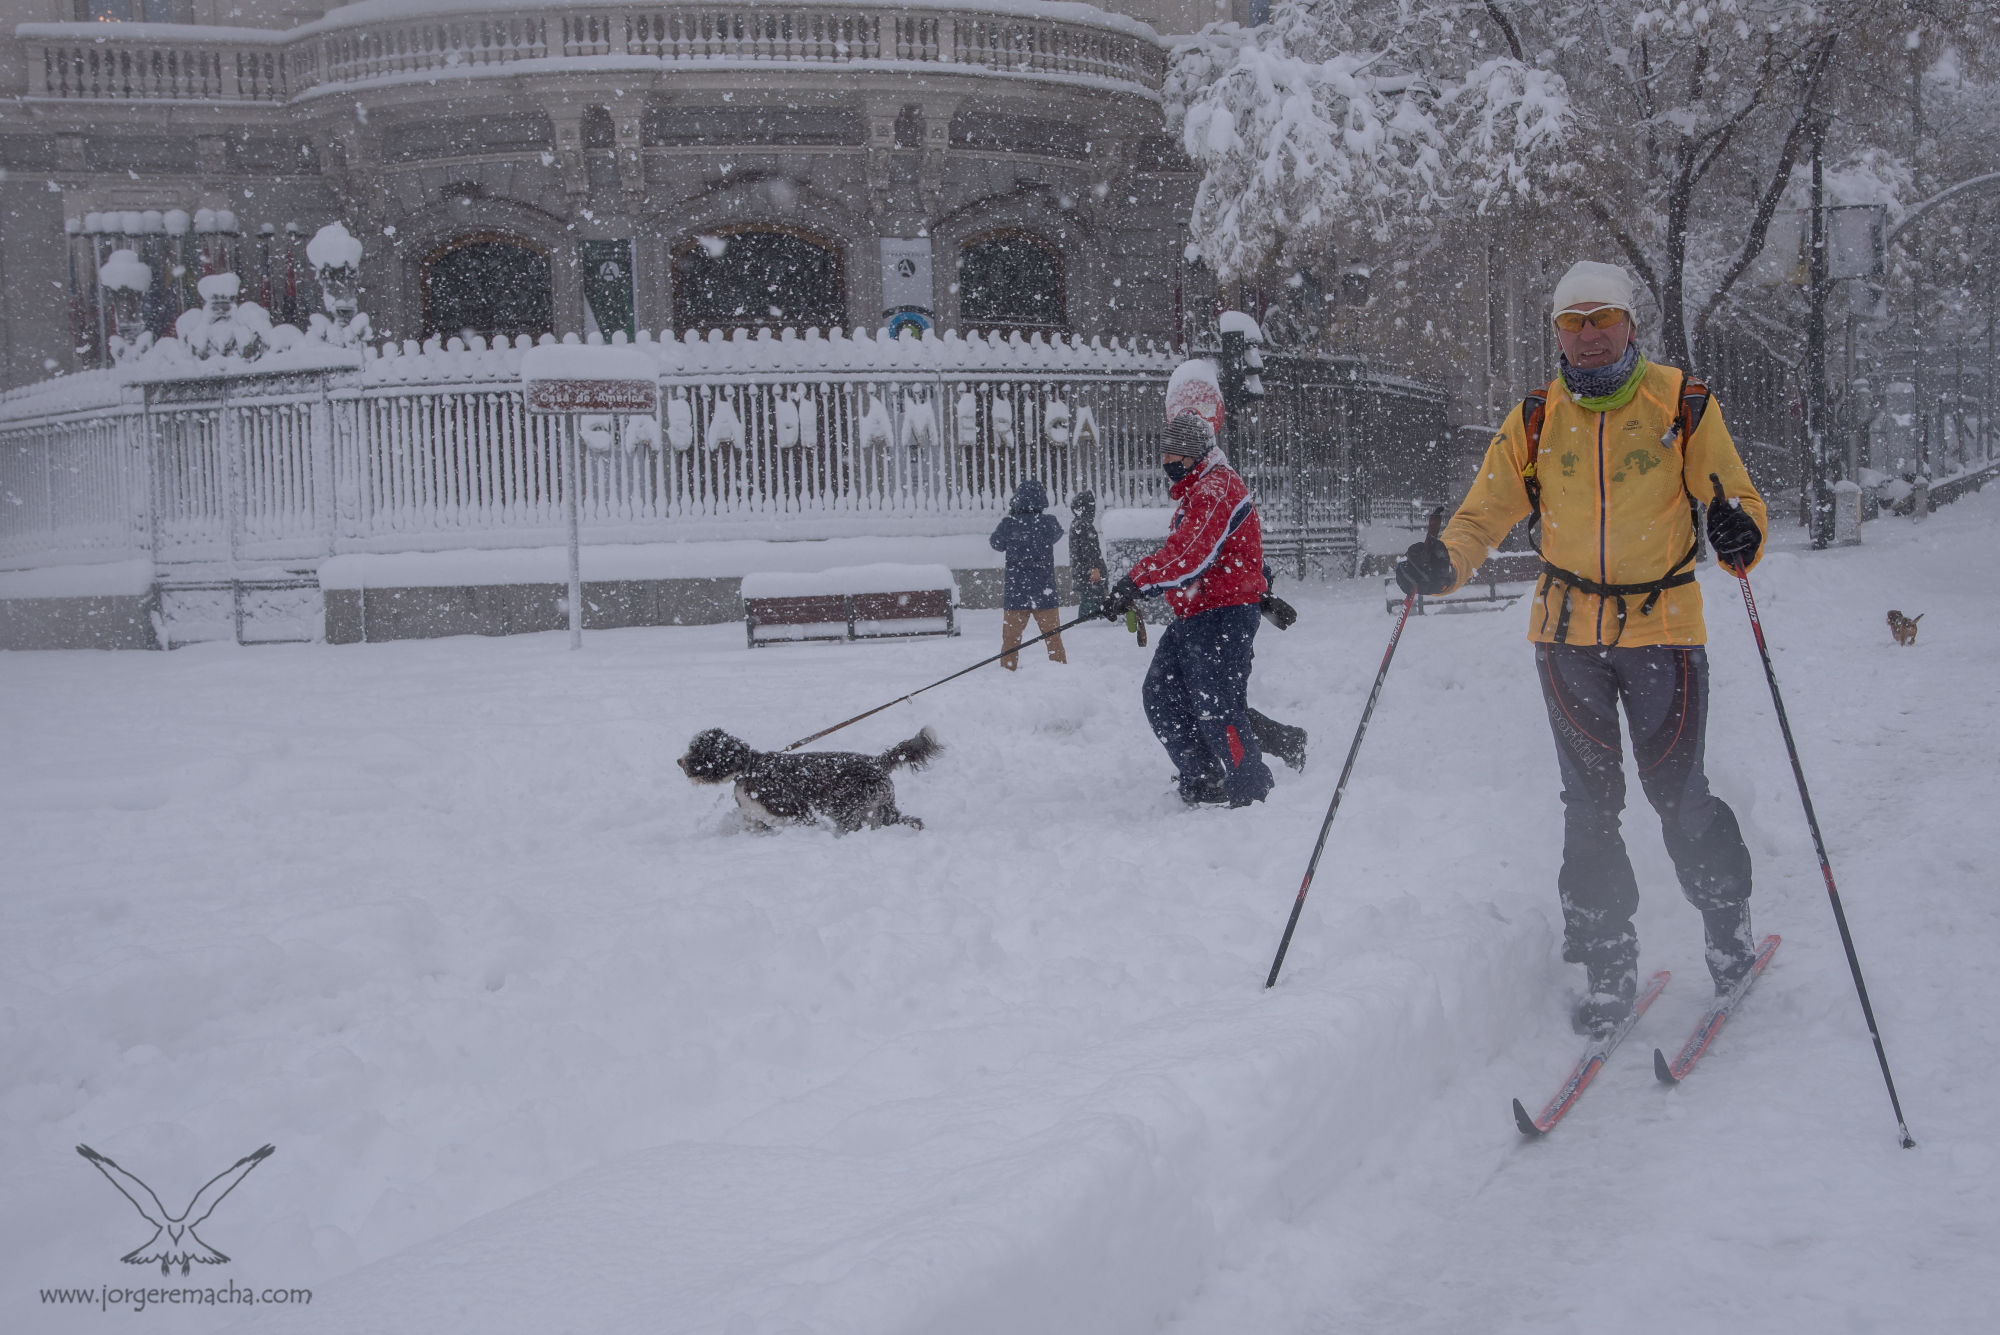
(1818, 285)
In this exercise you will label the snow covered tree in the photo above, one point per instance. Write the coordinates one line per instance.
(1370, 119)
(1674, 126)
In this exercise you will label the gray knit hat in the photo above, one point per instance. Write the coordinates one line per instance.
(1188, 436)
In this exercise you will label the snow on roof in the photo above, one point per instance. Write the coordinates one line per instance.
(370, 11)
(333, 247)
(158, 32)
(99, 580)
(1196, 387)
(219, 285)
(788, 353)
(125, 271)
(807, 356)
(1236, 322)
(588, 361)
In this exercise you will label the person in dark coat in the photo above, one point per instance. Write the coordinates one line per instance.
(1028, 536)
(1086, 554)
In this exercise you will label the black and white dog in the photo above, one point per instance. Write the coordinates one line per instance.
(774, 787)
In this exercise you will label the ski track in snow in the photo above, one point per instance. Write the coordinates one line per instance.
(547, 1041)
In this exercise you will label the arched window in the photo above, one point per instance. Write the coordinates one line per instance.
(487, 284)
(1011, 280)
(756, 276)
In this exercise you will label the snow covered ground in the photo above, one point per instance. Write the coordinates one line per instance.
(547, 1042)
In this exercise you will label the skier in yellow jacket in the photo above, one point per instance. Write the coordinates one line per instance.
(1611, 459)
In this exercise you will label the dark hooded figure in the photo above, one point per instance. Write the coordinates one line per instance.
(1028, 537)
(1086, 554)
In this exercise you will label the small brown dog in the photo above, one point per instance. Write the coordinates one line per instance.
(1904, 628)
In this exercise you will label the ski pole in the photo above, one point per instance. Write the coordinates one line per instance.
(1333, 807)
(1026, 644)
(1819, 844)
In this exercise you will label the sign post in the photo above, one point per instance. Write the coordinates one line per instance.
(568, 380)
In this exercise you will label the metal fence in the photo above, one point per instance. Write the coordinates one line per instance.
(1332, 439)
(414, 448)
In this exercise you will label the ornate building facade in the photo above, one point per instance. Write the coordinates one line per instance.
(590, 166)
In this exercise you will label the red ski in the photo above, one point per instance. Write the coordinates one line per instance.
(1672, 1073)
(1588, 1065)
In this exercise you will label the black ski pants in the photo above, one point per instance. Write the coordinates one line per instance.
(1195, 698)
(1664, 689)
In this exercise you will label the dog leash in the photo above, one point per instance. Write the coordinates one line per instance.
(1026, 644)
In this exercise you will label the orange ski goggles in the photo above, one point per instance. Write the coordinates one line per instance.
(1604, 317)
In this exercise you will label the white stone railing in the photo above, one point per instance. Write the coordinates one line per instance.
(365, 45)
(159, 62)
(422, 448)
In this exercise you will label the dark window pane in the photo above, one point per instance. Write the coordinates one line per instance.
(1011, 280)
(758, 276)
(996, 132)
(488, 286)
(467, 137)
(687, 127)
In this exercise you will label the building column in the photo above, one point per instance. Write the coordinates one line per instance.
(881, 142)
(629, 123)
(568, 120)
(936, 145)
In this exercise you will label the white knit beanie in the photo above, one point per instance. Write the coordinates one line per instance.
(1590, 283)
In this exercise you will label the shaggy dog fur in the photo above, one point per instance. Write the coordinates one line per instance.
(845, 787)
(1904, 628)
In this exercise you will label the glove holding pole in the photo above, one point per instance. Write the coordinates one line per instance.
(1333, 807)
(1731, 533)
(1426, 567)
(1734, 547)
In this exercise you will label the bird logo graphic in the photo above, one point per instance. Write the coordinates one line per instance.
(174, 1238)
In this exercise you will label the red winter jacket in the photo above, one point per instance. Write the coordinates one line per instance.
(1214, 553)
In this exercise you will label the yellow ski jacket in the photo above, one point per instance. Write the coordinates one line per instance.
(1614, 501)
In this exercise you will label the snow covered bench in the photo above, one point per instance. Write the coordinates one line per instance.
(871, 602)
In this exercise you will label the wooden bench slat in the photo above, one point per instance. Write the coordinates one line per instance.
(901, 606)
(802, 607)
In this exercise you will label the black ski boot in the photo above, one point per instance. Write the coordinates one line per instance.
(1282, 740)
(1614, 983)
(1204, 792)
(1732, 950)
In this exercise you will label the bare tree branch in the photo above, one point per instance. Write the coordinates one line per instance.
(1506, 27)
(1627, 242)
(1718, 137)
(1774, 188)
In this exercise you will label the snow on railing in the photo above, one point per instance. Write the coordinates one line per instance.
(312, 450)
(365, 44)
(161, 62)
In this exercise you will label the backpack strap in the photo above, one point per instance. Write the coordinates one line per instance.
(1694, 402)
(1534, 408)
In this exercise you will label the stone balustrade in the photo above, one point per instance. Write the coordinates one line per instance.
(344, 53)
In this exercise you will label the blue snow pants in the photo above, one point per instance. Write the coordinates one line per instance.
(1195, 697)
(1664, 689)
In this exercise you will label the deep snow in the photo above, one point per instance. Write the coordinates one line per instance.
(547, 1042)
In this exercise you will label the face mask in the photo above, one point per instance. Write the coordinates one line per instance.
(1176, 469)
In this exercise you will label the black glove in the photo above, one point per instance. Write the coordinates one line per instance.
(1425, 568)
(1123, 597)
(1277, 611)
(1732, 533)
